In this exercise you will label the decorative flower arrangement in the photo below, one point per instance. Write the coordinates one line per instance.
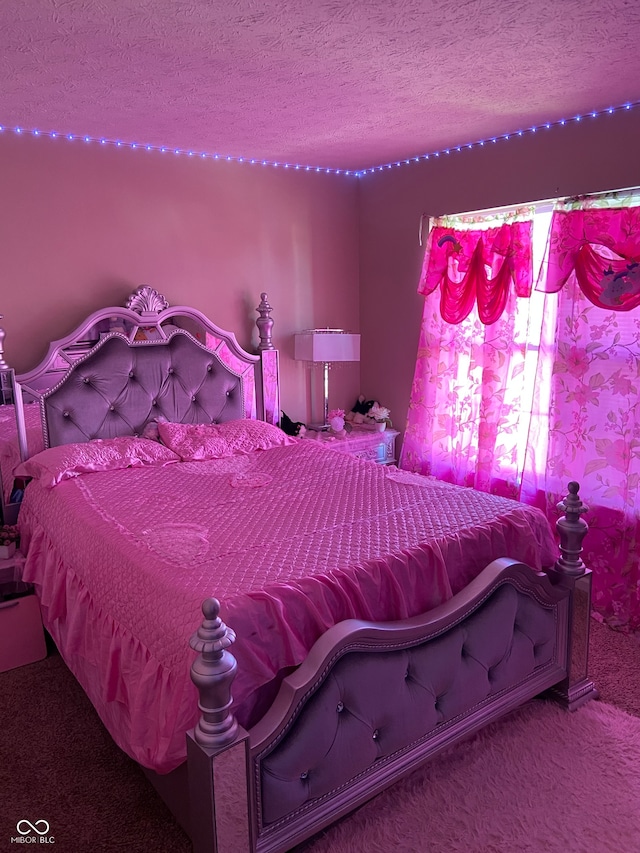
(379, 414)
(9, 539)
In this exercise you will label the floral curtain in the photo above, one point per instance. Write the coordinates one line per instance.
(473, 377)
(586, 423)
(601, 248)
(548, 393)
(589, 430)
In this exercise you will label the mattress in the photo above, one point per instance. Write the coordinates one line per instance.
(291, 540)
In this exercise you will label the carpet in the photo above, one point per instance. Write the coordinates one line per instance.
(614, 666)
(540, 781)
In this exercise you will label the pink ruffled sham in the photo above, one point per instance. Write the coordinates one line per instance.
(55, 464)
(247, 436)
(196, 442)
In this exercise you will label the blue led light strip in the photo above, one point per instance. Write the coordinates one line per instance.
(500, 138)
(74, 137)
(166, 149)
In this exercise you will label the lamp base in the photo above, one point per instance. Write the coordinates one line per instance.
(318, 427)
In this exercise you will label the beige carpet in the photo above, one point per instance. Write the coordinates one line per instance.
(57, 763)
(540, 781)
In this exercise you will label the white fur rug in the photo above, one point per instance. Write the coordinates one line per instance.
(542, 780)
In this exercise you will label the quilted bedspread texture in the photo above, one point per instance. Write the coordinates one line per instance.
(291, 540)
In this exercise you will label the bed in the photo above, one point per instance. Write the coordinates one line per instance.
(275, 631)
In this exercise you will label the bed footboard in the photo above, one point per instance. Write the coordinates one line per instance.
(373, 701)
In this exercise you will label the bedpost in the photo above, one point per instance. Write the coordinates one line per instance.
(269, 384)
(217, 749)
(11, 392)
(571, 573)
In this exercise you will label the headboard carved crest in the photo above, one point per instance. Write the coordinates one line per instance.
(146, 300)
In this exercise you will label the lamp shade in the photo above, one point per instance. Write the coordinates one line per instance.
(327, 345)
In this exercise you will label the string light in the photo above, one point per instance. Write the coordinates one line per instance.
(162, 149)
(507, 136)
(358, 173)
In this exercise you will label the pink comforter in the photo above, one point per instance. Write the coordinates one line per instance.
(290, 540)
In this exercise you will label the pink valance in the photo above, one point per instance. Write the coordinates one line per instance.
(602, 247)
(477, 265)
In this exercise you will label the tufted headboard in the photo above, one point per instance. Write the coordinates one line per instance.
(119, 387)
(124, 367)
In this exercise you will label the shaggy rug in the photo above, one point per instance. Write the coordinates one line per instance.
(540, 781)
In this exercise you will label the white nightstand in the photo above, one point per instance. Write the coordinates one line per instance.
(365, 444)
(11, 569)
(22, 637)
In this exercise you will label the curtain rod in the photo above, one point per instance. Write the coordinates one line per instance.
(487, 211)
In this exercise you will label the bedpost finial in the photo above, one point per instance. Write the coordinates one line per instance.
(212, 672)
(211, 608)
(572, 505)
(213, 635)
(571, 529)
(265, 323)
(3, 363)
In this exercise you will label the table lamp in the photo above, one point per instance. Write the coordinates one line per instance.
(325, 347)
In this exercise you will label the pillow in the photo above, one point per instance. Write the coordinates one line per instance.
(194, 442)
(245, 436)
(56, 464)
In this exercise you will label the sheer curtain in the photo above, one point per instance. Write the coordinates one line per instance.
(586, 423)
(475, 368)
(550, 390)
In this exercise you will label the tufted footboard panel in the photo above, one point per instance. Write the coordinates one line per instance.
(375, 707)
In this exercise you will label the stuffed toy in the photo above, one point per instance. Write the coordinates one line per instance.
(368, 414)
(294, 428)
(360, 409)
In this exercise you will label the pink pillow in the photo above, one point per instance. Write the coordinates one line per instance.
(245, 436)
(194, 442)
(56, 464)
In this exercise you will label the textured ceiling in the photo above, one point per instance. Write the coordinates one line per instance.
(322, 82)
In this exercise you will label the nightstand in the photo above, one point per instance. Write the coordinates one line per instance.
(11, 569)
(365, 444)
(22, 637)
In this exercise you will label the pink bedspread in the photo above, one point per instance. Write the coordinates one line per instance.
(9, 452)
(290, 540)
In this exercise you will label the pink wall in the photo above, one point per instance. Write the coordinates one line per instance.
(596, 154)
(82, 226)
